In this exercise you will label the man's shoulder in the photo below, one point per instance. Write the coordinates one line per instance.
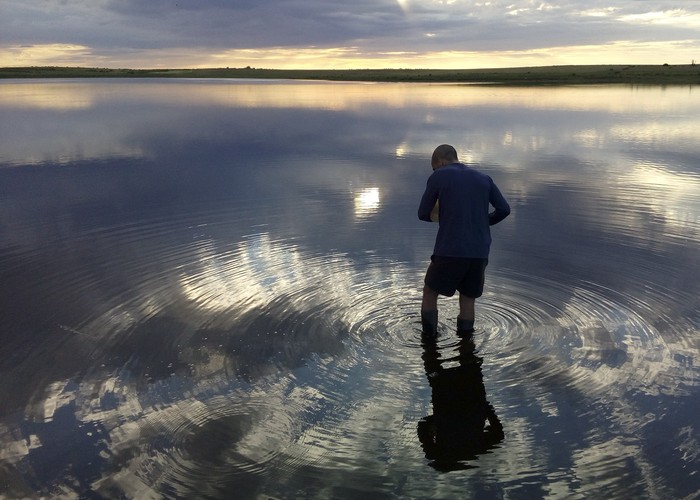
(473, 170)
(452, 169)
(455, 171)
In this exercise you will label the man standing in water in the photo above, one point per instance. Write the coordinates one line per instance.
(461, 252)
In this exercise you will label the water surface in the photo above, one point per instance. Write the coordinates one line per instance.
(213, 287)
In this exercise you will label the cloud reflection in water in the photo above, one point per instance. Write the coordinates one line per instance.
(221, 292)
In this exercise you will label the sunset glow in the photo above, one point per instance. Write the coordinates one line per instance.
(446, 34)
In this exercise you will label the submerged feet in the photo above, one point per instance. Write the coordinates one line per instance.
(465, 326)
(429, 323)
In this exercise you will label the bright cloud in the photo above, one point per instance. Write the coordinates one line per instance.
(52, 53)
(675, 17)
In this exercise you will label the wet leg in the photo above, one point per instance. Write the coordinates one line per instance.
(465, 320)
(428, 311)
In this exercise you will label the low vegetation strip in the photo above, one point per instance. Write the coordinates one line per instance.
(687, 74)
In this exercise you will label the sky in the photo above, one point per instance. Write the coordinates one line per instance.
(342, 34)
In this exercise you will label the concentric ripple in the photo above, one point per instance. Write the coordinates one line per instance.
(263, 364)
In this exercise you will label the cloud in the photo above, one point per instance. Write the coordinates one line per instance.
(193, 32)
(258, 24)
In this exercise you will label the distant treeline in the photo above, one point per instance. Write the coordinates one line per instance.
(665, 74)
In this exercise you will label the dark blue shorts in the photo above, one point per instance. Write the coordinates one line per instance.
(446, 275)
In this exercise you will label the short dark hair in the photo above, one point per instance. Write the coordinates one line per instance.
(445, 152)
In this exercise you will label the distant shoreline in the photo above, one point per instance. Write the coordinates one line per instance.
(666, 74)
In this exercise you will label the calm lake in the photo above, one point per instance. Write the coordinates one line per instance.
(211, 289)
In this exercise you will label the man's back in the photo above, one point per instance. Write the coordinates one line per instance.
(464, 194)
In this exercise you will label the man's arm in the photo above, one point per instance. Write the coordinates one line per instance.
(502, 209)
(427, 202)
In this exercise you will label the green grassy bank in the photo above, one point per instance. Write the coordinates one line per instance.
(687, 74)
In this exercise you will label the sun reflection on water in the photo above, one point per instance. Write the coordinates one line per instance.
(366, 202)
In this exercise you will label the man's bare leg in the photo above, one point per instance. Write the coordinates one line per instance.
(429, 311)
(465, 320)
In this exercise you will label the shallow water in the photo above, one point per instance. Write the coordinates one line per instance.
(211, 289)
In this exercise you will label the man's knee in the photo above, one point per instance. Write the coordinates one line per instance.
(466, 301)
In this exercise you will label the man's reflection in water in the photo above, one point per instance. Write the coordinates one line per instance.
(456, 431)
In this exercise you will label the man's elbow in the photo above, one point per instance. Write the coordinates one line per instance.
(503, 210)
(498, 215)
(424, 215)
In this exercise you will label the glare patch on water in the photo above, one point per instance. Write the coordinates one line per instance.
(245, 277)
(670, 196)
(367, 202)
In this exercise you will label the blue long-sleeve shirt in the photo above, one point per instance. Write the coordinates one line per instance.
(465, 195)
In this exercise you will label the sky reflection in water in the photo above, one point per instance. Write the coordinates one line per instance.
(213, 286)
